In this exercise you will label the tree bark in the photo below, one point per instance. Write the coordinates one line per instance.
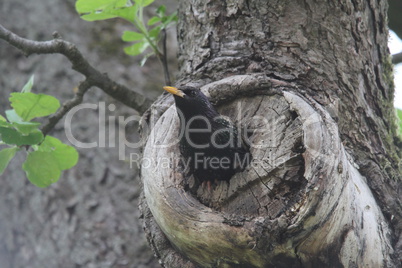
(314, 83)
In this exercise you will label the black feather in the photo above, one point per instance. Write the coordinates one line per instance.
(210, 144)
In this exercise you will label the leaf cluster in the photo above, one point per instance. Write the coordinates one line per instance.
(146, 34)
(46, 156)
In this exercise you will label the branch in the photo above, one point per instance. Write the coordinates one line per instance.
(164, 59)
(397, 58)
(67, 106)
(93, 77)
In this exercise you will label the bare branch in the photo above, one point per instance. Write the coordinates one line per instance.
(80, 64)
(397, 58)
(67, 106)
(164, 59)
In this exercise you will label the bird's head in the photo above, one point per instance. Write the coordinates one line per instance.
(191, 102)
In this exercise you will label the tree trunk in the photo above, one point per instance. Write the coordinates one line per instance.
(312, 85)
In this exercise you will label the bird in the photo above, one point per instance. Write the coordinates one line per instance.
(210, 144)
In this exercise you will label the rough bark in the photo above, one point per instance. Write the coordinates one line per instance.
(321, 76)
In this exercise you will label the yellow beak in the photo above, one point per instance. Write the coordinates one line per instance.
(174, 91)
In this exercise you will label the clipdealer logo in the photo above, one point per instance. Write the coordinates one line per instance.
(112, 134)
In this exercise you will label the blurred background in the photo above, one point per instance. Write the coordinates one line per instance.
(89, 218)
(395, 46)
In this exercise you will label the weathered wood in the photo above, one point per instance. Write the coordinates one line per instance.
(333, 55)
(309, 200)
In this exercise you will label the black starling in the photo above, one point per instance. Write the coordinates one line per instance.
(211, 146)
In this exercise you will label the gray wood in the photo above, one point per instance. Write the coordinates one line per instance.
(338, 203)
(302, 195)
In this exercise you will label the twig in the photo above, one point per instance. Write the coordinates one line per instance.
(67, 106)
(164, 58)
(397, 58)
(81, 65)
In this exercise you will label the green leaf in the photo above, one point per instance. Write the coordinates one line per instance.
(5, 124)
(97, 16)
(144, 3)
(154, 33)
(13, 117)
(28, 86)
(5, 156)
(2, 118)
(124, 13)
(127, 13)
(86, 6)
(29, 105)
(160, 11)
(23, 127)
(41, 168)
(147, 2)
(137, 48)
(91, 10)
(129, 36)
(26, 127)
(65, 155)
(169, 19)
(153, 20)
(12, 136)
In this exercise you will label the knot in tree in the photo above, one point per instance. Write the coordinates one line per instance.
(278, 209)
